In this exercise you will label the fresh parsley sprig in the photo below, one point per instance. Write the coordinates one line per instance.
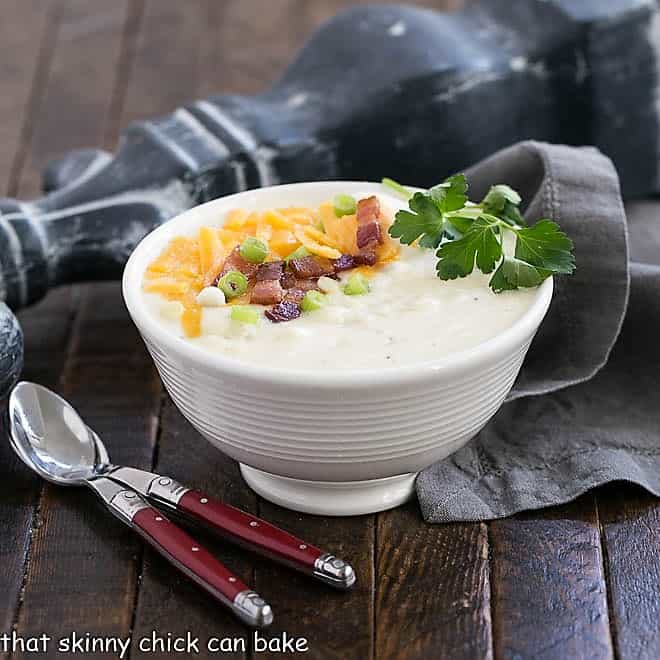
(465, 234)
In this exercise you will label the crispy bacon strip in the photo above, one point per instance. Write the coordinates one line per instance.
(308, 267)
(288, 279)
(271, 270)
(235, 262)
(307, 285)
(345, 262)
(267, 292)
(284, 311)
(348, 261)
(369, 233)
(294, 296)
(368, 209)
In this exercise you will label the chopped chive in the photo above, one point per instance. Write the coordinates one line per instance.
(245, 314)
(357, 285)
(253, 250)
(312, 301)
(344, 205)
(298, 253)
(233, 284)
(397, 187)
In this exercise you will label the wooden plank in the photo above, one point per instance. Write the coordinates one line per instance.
(168, 601)
(76, 93)
(433, 595)
(548, 589)
(164, 71)
(336, 624)
(26, 33)
(630, 521)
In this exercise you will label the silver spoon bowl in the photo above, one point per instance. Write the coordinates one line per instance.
(50, 437)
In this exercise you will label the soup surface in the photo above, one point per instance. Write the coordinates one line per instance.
(406, 316)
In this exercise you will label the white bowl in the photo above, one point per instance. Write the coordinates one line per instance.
(334, 443)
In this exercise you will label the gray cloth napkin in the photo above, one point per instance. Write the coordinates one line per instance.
(585, 409)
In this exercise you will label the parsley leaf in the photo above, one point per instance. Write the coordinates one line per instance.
(450, 195)
(457, 225)
(466, 235)
(424, 218)
(513, 273)
(545, 245)
(498, 195)
(480, 243)
(503, 201)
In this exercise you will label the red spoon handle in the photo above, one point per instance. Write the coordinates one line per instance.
(249, 530)
(257, 534)
(198, 564)
(238, 526)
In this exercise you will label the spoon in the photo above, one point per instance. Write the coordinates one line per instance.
(50, 437)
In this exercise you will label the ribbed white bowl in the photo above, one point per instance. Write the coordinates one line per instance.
(337, 443)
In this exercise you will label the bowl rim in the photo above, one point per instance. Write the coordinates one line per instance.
(515, 335)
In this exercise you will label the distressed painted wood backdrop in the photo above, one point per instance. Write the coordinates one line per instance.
(577, 581)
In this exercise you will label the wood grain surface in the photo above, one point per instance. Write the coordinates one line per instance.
(578, 581)
(549, 593)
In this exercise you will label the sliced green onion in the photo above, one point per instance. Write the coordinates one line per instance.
(357, 285)
(397, 187)
(253, 250)
(344, 205)
(233, 284)
(245, 314)
(298, 253)
(312, 301)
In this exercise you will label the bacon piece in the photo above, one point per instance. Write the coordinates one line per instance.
(366, 258)
(270, 270)
(288, 280)
(368, 210)
(294, 296)
(369, 235)
(284, 311)
(235, 262)
(310, 267)
(345, 262)
(307, 285)
(267, 292)
(348, 261)
(369, 232)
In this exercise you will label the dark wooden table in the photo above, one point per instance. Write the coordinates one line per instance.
(577, 581)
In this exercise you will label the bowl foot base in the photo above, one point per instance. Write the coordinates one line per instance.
(331, 498)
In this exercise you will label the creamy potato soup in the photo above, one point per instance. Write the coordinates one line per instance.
(321, 288)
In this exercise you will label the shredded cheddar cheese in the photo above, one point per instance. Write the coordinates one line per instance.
(187, 265)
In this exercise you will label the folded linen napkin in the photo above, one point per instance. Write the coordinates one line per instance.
(585, 409)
